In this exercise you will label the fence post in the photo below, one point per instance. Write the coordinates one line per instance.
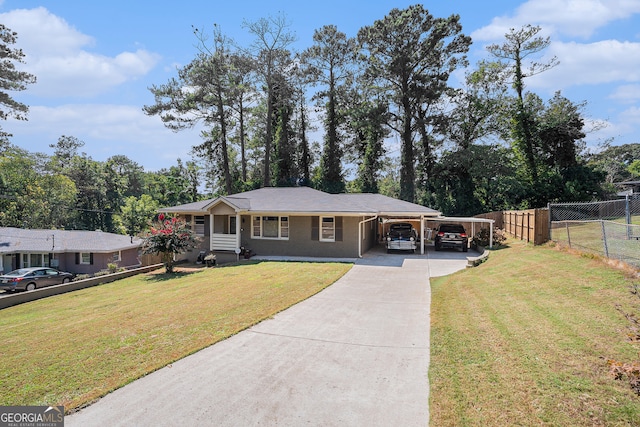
(627, 211)
(549, 221)
(568, 234)
(604, 240)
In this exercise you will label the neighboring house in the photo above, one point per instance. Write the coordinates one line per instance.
(296, 221)
(79, 252)
(627, 188)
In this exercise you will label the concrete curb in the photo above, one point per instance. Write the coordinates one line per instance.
(474, 261)
(22, 297)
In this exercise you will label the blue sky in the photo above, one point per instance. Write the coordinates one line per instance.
(95, 60)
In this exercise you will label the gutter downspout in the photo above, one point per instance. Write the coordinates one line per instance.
(360, 233)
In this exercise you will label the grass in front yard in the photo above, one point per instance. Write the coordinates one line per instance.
(74, 348)
(523, 340)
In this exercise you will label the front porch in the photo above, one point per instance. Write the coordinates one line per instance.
(226, 232)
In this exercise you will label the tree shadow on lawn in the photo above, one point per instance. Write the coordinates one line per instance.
(179, 271)
(498, 247)
(183, 270)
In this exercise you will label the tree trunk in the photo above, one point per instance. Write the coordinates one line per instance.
(407, 170)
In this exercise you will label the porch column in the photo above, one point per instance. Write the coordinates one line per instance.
(211, 215)
(238, 231)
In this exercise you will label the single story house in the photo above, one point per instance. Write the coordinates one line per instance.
(296, 221)
(75, 251)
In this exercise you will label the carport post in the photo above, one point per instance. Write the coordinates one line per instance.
(473, 229)
(421, 234)
(491, 235)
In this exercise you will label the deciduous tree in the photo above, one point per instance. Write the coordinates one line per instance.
(136, 214)
(168, 237)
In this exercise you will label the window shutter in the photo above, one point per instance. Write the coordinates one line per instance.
(338, 225)
(91, 258)
(207, 226)
(315, 228)
(77, 257)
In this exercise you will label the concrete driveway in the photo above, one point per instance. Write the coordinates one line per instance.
(356, 353)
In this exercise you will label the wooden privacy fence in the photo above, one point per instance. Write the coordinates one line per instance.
(495, 216)
(531, 225)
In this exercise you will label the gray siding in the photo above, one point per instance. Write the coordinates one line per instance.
(300, 242)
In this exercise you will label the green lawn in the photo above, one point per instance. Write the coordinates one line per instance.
(621, 242)
(524, 338)
(74, 348)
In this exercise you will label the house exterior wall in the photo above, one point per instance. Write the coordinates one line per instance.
(301, 242)
(220, 224)
(67, 261)
(222, 209)
(370, 232)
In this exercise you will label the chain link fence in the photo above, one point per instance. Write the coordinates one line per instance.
(612, 210)
(609, 228)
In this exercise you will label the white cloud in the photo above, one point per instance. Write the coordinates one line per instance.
(59, 56)
(631, 116)
(576, 18)
(626, 94)
(107, 130)
(622, 128)
(608, 61)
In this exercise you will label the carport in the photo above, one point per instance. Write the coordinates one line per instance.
(425, 231)
(464, 220)
(419, 223)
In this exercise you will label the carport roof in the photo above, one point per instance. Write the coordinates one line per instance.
(305, 200)
(460, 219)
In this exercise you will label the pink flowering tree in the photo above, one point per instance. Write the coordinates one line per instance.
(169, 236)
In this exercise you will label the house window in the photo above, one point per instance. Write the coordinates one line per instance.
(85, 258)
(257, 230)
(35, 260)
(270, 227)
(199, 225)
(116, 257)
(328, 229)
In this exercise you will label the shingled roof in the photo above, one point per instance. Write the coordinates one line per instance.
(305, 200)
(60, 241)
